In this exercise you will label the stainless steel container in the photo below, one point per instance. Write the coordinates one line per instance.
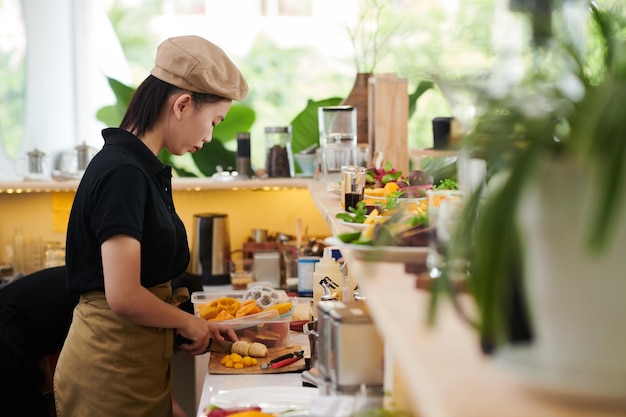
(356, 351)
(324, 351)
(210, 249)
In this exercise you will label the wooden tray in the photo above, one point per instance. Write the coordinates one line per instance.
(216, 368)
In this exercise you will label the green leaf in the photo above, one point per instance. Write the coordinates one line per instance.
(349, 237)
(239, 118)
(213, 154)
(421, 88)
(345, 217)
(112, 115)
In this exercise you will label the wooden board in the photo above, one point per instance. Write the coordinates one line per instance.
(388, 115)
(216, 368)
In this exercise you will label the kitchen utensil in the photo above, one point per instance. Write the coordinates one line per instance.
(210, 249)
(34, 166)
(214, 345)
(284, 360)
(352, 330)
(84, 153)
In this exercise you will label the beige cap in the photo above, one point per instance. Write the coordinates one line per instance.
(195, 64)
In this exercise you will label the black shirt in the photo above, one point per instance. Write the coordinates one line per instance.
(125, 190)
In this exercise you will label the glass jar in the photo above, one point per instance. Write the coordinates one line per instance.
(279, 157)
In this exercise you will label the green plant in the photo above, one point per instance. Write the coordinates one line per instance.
(213, 154)
(515, 139)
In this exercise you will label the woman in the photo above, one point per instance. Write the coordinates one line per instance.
(125, 241)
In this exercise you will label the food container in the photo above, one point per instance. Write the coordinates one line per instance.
(267, 327)
(279, 157)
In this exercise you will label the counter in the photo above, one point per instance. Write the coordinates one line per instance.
(434, 371)
(440, 371)
(215, 384)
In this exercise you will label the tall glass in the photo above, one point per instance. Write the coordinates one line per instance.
(338, 141)
(352, 185)
(444, 207)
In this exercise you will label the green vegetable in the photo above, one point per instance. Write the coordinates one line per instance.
(391, 200)
(420, 219)
(391, 177)
(358, 215)
(349, 237)
(447, 184)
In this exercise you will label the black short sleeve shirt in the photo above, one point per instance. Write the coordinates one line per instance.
(125, 190)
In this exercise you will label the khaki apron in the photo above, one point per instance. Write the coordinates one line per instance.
(111, 367)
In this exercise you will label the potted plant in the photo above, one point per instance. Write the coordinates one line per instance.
(548, 228)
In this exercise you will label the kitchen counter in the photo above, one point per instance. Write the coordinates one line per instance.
(216, 384)
(433, 371)
(440, 371)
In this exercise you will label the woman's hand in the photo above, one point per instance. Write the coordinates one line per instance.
(198, 332)
(206, 330)
(220, 332)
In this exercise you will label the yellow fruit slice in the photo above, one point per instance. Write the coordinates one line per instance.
(390, 188)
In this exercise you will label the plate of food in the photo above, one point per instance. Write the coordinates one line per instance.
(269, 399)
(380, 253)
(353, 225)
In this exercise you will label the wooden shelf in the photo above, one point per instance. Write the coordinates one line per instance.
(178, 184)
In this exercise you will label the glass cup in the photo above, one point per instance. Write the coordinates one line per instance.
(444, 207)
(332, 159)
(338, 141)
(306, 162)
(352, 185)
(241, 273)
(337, 126)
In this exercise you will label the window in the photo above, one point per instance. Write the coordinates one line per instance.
(13, 76)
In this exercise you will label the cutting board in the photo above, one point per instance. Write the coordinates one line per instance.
(216, 368)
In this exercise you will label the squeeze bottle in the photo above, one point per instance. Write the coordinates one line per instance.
(327, 270)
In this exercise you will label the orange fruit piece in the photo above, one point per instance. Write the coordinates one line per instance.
(390, 188)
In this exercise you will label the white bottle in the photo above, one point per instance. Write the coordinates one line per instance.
(329, 271)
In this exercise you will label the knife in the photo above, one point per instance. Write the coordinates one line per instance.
(283, 360)
(214, 345)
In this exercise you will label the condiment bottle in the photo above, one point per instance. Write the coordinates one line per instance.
(244, 168)
(279, 157)
(327, 273)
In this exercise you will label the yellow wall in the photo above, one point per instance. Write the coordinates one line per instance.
(44, 215)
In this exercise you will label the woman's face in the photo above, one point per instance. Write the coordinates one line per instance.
(192, 126)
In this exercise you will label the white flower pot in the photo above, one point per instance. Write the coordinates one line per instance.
(576, 301)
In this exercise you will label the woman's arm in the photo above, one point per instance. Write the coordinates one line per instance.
(121, 262)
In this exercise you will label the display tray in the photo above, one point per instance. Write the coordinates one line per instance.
(270, 399)
(401, 254)
(216, 368)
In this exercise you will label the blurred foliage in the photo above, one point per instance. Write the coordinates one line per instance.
(134, 31)
(112, 115)
(12, 102)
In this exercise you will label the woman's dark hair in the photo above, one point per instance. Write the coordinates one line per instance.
(148, 100)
